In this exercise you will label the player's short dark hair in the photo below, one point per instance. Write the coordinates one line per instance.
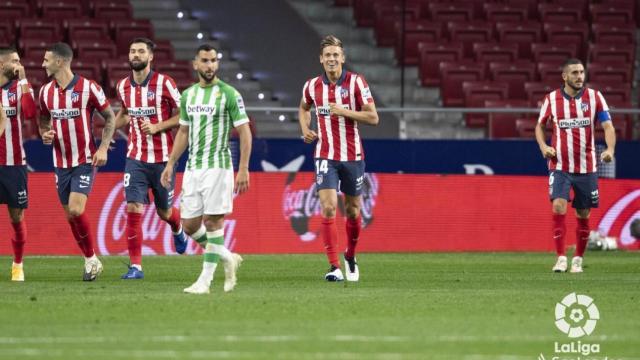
(62, 50)
(142, 40)
(7, 50)
(330, 40)
(571, 61)
(206, 47)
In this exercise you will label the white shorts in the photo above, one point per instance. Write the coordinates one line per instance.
(206, 191)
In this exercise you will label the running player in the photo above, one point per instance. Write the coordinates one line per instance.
(208, 112)
(149, 99)
(66, 107)
(573, 111)
(342, 100)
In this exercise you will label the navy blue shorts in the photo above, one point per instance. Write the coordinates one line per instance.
(139, 177)
(13, 186)
(585, 188)
(346, 175)
(77, 179)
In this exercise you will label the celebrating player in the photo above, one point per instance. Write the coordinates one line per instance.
(66, 105)
(208, 111)
(573, 111)
(149, 99)
(342, 100)
(16, 105)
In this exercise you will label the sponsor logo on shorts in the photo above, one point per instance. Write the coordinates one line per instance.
(10, 111)
(85, 181)
(142, 111)
(65, 113)
(22, 197)
(574, 123)
(595, 196)
(319, 179)
(359, 182)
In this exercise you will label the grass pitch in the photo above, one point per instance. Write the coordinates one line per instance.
(406, 306)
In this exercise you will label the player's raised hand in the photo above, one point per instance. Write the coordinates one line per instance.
(548, 152)
(19, 70)
(607, 155)
(242, 181)
(100, 157)
(149, 128)
(47, 137)
(165, 177)
(309, 136)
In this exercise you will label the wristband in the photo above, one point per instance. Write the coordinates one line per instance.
(23, 82)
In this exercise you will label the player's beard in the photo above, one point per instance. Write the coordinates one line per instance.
(141, 65)
(10, 74)
(574, 86)
(208, 78)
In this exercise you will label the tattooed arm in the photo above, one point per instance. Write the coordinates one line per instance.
(100, 157)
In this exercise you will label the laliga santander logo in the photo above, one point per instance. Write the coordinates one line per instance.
(157, 235)
(577, 315)
(620, 216)
(301, 206)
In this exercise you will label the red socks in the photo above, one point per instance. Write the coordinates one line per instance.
(559, 229)
(330, 238)
(18, 240)
(174, 220)
(134, 237)
(353, 233)
(582, 236)
(81, 230)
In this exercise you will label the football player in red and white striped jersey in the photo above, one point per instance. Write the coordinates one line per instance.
(150, 104)
(572, 111)
(342, 100)
(16, 100)
(67, 104)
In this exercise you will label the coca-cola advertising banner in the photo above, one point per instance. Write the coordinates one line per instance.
(281, 214)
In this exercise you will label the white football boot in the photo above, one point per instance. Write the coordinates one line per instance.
(561, 264)
(230, 269)
(576, 264)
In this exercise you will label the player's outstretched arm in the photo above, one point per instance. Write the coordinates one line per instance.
(610, 140)
(242, 178)
(3, 120)
(367, 115)
(100, 157)
(179, 146)
(546, 150)
(304, 117)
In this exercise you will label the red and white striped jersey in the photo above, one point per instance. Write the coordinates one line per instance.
(338, 137)
(18, 106)
(71, 109)
(153, 100)
(573, 120)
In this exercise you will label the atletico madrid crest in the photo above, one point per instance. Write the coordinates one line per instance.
(584, 107)
(75, 97)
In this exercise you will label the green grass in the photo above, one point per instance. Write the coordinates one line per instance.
(406, 306)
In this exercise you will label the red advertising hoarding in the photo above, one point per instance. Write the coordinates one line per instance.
(401, 213)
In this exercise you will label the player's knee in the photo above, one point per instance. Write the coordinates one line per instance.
(328, 211)
(134, 207)
(164, 214)
(352, 211)
(16, 216)
(559, 208)
(583, 213)
(75, 211)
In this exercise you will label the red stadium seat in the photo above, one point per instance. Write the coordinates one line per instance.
(559, 13)
(515, 75)
(363, 11)
(578, 4)
(536, 91)
(495, 52)
(531, 6)
(39, 29)
(449, 12)
(112, 10)
(61, 10)
(526, 128)
(178, 70)
(613, 34)
(503, 12)
(415, 33)
(503, 125)
(453, 75)
(115, 70)
(522, 34)
(431, 55)
(34, 70)
(561, 34)
(163, 51)
(15, 10)
(126, 30)
(543, 52)
(613, 92)
(87, 29)
(475, 95)
(550, 71)
(611, 14)
(470, 33)
(609, 72)
(94, 49)
(7, 30)
(611, 53)
(387, 15)
(32, 48)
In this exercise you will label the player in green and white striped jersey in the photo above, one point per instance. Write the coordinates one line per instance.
(208, 111)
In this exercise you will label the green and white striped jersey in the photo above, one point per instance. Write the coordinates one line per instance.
(210, 113)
